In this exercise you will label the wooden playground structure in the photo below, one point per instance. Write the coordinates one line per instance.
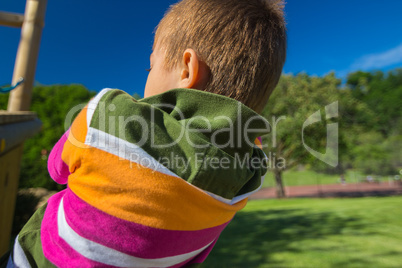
(18, 124)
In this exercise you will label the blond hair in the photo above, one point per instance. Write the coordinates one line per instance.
(243, 42)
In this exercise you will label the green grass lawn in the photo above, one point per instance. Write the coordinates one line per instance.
(309, 177)
(360, 232)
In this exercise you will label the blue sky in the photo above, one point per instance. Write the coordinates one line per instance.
(106, 43)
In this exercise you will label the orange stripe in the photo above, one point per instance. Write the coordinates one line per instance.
(79, 127)
(144, 196)
(76, 139)
(258, 143)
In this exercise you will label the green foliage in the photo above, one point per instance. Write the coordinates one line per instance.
(295, 99)
(371, 155)
(4, 101)
(376, 144)
(52, 104)
(383, 95)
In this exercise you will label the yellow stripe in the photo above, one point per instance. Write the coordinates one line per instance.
(144, 196)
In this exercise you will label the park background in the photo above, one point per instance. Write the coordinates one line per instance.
(347, 52)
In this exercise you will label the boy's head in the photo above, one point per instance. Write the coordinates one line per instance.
(234, 48)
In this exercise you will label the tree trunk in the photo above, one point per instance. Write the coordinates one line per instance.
(280, 190)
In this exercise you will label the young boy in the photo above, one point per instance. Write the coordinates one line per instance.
(152, 183)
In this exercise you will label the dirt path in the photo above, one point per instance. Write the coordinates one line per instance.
(334, 190)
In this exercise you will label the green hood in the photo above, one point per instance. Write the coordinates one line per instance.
(199, 136)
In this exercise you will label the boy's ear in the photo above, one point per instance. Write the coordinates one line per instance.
(190, 71)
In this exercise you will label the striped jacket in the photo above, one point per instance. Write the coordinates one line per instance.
(150, 183)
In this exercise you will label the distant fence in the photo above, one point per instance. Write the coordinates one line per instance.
(311, 184)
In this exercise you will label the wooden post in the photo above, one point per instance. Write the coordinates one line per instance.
(20, 100)
(11, 19)
(27, 55)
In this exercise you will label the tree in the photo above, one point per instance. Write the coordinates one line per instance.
(369, 121)
(382, 93)
(294, 100)
(377, 149)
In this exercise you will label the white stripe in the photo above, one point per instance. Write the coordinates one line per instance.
(19, 258)
(239, 198)
(105, 255)
(124, 149)
(244, 196)
(215, 196)
(235, 199)
(94, 103)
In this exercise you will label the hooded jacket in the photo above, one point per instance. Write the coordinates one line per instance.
(150, 183)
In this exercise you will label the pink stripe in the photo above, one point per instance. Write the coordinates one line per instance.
(58, 170)
(132, 238)
(55, 249)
